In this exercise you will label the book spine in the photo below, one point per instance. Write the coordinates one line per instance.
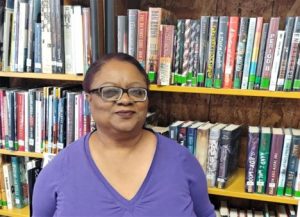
(14, 38)
(248, 54)
(190, 140)
(19, 200)
(8, 20)
(122, 32)
(263, 160)
(294, 49)
(289, 26)
(277, 58)
(30, 38)
(86, 116)
(186, 51)
(77, 32)
(203, 49)
(95, 31)
(269, 53)
(212, 43)
(20, 120)
(38, 48)
(195, 48)
(202, 146)
(179, 50)
(132, 31)
(109, 25)
(68, 38)
(142, 28)
(70, 111)
(9, 186)
(31, 94)
(46, 37)
(231, 51)
(254, 59)
(166, 54)
(251, 164)
(296, 83)
(61, 142)
(38, 126)
(191, 79)
(59, 46)
(284, 163)
(261, 54)
(220, 51)
(241, 50)
(26, 120)
(274, 163)
(212, 157)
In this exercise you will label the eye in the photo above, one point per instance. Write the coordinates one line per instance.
(111, 92)
(137, 92)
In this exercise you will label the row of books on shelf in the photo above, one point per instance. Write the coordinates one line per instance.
(268, 210)
(43, 119)
(17, 178)
(45, 36)
(213, 51)
(271, 160)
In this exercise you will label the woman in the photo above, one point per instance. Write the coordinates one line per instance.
(121, 169)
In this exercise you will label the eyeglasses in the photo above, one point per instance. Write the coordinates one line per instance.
(112, 94)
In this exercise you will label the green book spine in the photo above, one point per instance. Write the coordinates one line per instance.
(263, 160)
(19, 201)
(237, 83)
(265, 83)
(296, 85)
(287, 85)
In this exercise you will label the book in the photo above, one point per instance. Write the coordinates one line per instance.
(274, 161)
(142, 28)
(16, 173)
(173, 129)
(229, 152)
(241, 50)
(251, 159)
(284, 161)
(213, 154)
(192, 136)
(122, 34)
(269, 53)
(263, 159)
(132, 15)
(296, 139)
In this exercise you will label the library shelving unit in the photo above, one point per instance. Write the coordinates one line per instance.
(235, 187)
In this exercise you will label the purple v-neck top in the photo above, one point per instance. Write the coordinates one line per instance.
(72, 185)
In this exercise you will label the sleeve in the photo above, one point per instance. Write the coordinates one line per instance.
(45, 191)
(198, 188)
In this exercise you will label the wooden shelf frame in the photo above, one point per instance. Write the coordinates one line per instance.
(236, 189)
(153, 87)
(24, 212)
(21, 153)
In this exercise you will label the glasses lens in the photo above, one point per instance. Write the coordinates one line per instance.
(137, 94)
(111, 93)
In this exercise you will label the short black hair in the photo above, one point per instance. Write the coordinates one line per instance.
(97, 65)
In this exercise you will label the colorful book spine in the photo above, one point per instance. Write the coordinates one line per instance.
(248, 54)
(274, 162)
(296, 83)
(277, 58)
(186, 50)
(269, 53)
(142, 28)
(230, 51)
(252, 155)
(195, 48)
(165, 54)
(132, 31)
(203, 49)
(220, 51)
(191, 80)
(263, 159)
(260, 61)
(179, 50)
(9, 185)
(46, 37)
(284, 161)
(241, 50)
(59, 37)
(255, 52)
(212, 43)
(16, 173)
(294, 49)
(173, 129)
(289, 26)
(192, 136)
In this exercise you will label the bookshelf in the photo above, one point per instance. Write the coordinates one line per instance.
(21, 153)
(24, 212)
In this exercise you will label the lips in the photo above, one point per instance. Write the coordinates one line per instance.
(125, 114)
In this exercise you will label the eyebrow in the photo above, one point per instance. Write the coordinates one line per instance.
(117, 85)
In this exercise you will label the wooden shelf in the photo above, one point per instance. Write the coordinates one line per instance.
(62, 77)
(21, 153)
(153, 87)
(24, 212)
(236, 189)
(222, 91)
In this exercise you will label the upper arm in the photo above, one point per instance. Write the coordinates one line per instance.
(198, 189)
(45, 192)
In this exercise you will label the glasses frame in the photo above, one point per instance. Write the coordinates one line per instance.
(98, 91)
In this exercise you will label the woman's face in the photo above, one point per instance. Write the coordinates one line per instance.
(123, 115)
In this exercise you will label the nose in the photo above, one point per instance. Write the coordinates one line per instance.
(125, 99)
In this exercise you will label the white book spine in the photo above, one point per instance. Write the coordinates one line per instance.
(277, 58)
(50, 123)
(46, 37)
(8, 183)
(6, 38)
(26, 98)
(38, 126)
(23, 31)
(77, 42)
(248, 54)
(132, 31)
(68, 39)
(14, 36)
(76, 114)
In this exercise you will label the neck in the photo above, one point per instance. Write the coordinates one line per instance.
(122, 141)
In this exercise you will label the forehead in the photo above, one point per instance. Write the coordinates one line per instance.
(119, 72)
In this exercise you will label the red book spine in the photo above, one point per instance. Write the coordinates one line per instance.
(20, 121)
(233, 28)
(142, 29)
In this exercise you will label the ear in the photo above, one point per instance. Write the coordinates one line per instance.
(89, 97)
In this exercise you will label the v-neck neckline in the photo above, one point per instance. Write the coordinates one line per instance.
(110, 188)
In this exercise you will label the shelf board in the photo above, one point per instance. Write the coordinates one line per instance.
(21, 153)
(236, 189)
(62, 77)
(153, 87)
(223, 91)
(24, 212)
